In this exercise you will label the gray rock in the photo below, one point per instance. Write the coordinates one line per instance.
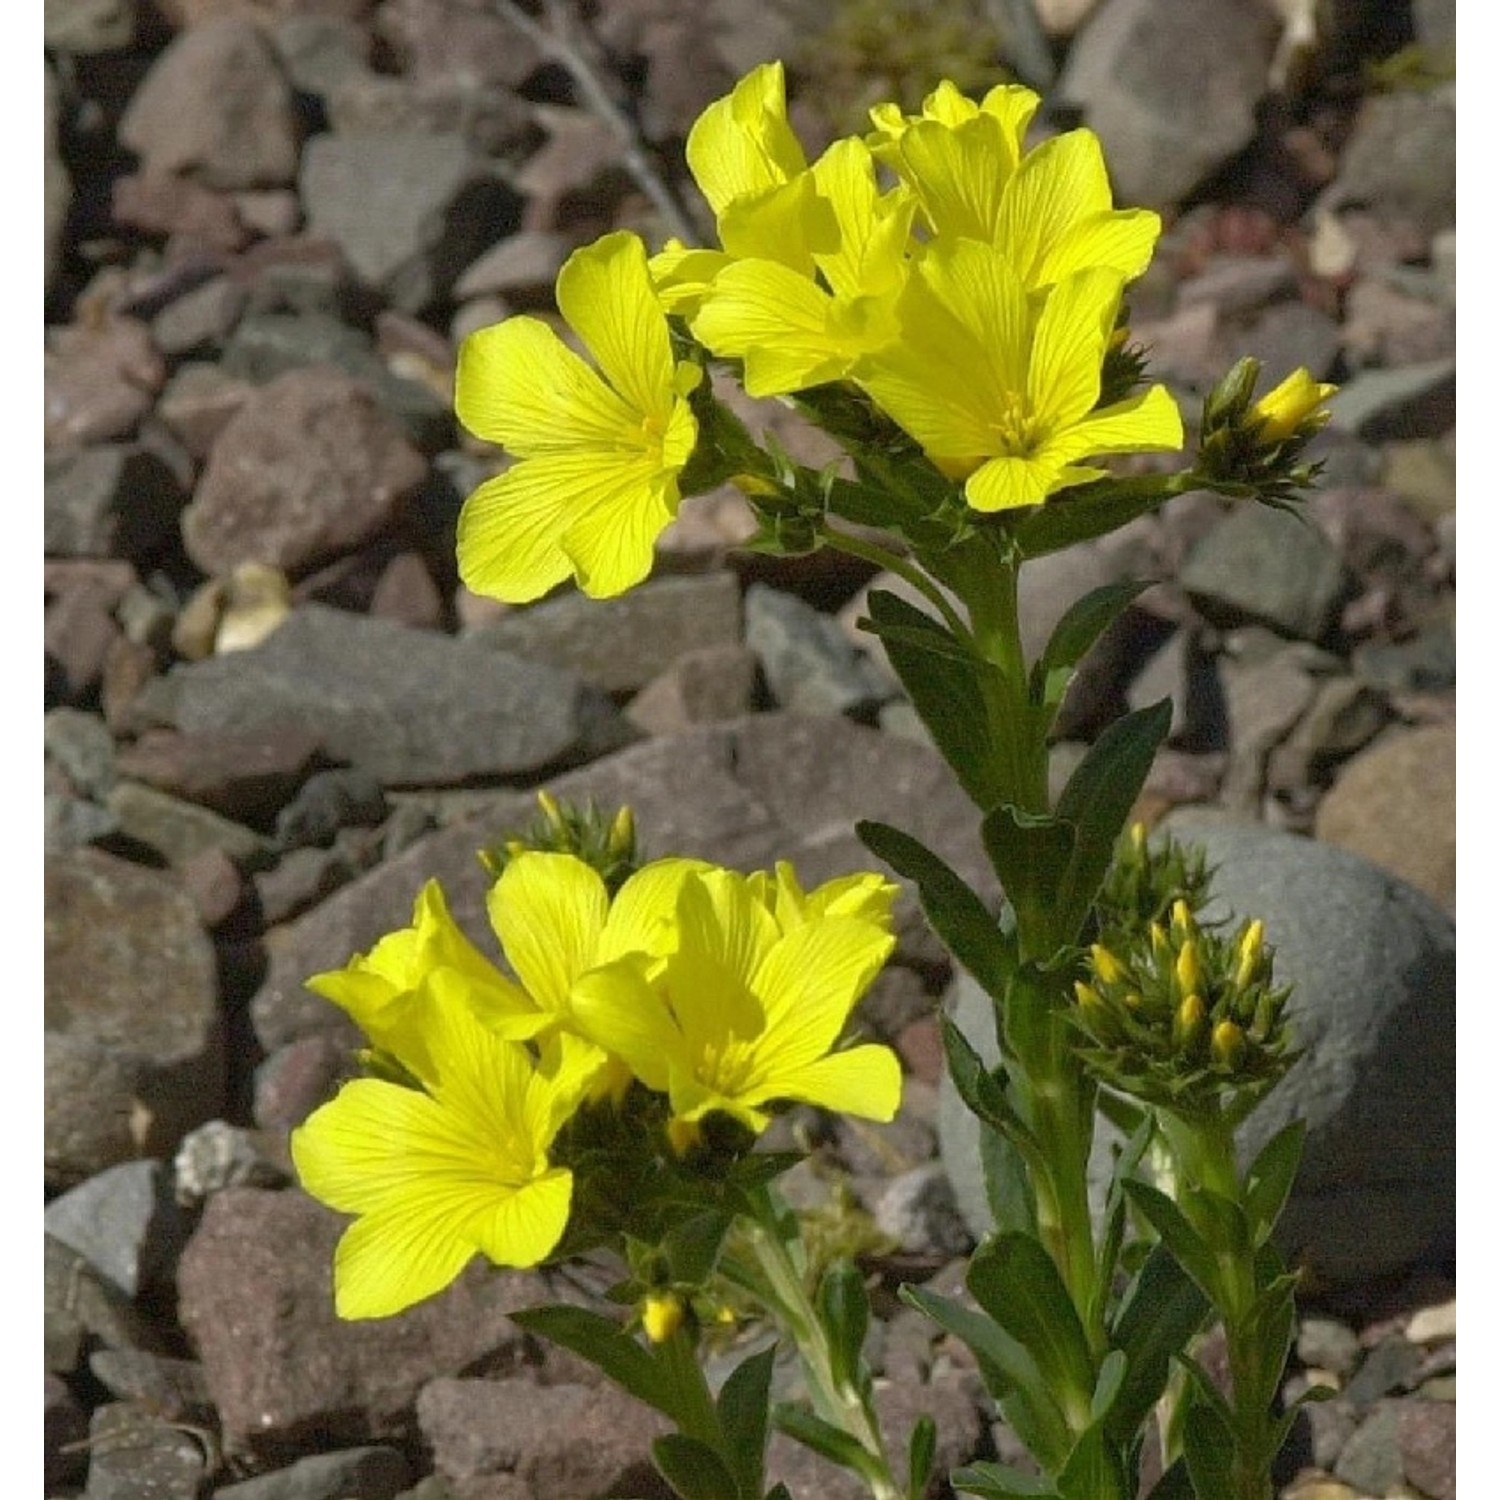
(1343, 717)
(173, 1388)
(620, 644)
(1371, 1459)
(1263, 565)
(1171, 88)
(197, 403)
(125, 1222)
(410, 707)
(559, 1439)
(1389, 1368)
(353, 1474)
(134, 1454)
(1323, 1344)
(179, 831)
(216, 105)
(1384, 405)
(83, 746)
(1287, 336)
(524, 262)
(86, 27)
(1436, 22)
(256, 1298)
(1401, 159)
(1240, 283)
(308, 468)
(329, 801)
(199, 319)
(809, 664)
(109, 500)
(64, 1431)
(134, 1047)
(72, 823)
(409, 209)
(78, 1305)
(319, 51)
(1372, 962)
(918, 1211)
(1427, 663)
(743, 794)
(100, 379)
(219, 1155)
(493, 119)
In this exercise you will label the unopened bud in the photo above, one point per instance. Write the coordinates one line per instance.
(1188, 1023)
(1295, 405)
(1183, 926)
(1229, 399)
(551, 811)
(622, 834)
(1267, 1014)
(1228, 1045)
(661, 1316)
(1138, 838)
(1189, 969)
(1161, 949)
(1106, 965)
(1251, 945)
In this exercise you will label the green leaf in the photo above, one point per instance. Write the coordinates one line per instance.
(1270, 1178)
(993, 1481)
(1009, 1190)
(1126, 1162)
(1031, 853)
(945, 689)
(983, 1090)
(822, 1437)
(1110, 1382)
(1208, 1449)
(961, 920)
(1161, 1310)
(844, 1310)
(692, 1245)
(693, 1469)
(1093, 1470)
(1015, 1281)
(1097, 801)
(1193, 1253)
(1081, 625)
(867, 505)
(605, 1345)
(744, 1415)
(921, 1456)
(1084, 512)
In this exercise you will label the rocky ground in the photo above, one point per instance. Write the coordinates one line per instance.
(271, 712)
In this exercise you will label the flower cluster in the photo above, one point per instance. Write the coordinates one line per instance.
(719, 992)
(967, 287)
(1184, 1018)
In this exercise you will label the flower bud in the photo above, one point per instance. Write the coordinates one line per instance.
(1188, 969)
(1188, 1024)
(1296, 405)
(661, 1315)
(622, 834)
(1229, 399)
(1228, 1045)
(1183, 926)
(1109, 968)
(1248, 958)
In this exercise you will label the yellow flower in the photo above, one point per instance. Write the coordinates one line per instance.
(1049, 209)
(1297, 403)
(661, 1315)
(1001, 388)
(600, 456)
(440, 1176)
(744, 1011)
(793, 330)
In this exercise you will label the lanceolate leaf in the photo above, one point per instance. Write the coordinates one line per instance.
(1081, 625)
(744, 1415)
(693, 1469)
(601, 1341)
(1163, 1308)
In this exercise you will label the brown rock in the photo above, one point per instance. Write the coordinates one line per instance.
(1396, 804)
(77, 633)
(308, 467)
(197, 404)
(579, 151)
(100, 381)
(248, 777)
(133, 1032)
(297, 1078)
(256, 1299)
(700, 687)
(1429, 1447)
(157, 203)
(406, 593)
(128, 667)
(445, 39)
(217, 106)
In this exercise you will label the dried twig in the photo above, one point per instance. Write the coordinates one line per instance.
(564, 41)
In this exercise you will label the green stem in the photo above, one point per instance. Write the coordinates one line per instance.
(785, 1293)
(903, 568)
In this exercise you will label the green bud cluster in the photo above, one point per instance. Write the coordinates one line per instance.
(607, 842)
(1185, 1018)
(1245, 451)
(1145, 879)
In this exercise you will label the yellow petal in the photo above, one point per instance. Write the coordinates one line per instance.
(1147, 423)
(617, 1009)
(642, 917)
(1006, 483)
(742, 144)
(1067, 356)
(548, 910)
(604, 291)
(1060, 183)
(519, 385)
(612, 546)
(386, 1263)
(522, 1228)
(958, 174)
(863, 1081)
(1122, 239)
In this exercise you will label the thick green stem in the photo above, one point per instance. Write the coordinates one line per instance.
(835, 1401)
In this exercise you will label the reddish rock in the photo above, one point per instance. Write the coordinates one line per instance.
(309, 467)
(294, 1080)
(716, 682)
(255, 1288)
(406, 593)
(77, 633)
(1429, 1447)
(128, 667)
(156, 203)
(197, 404)
(100, 381)
(447, 39)
(575, 1440)
(216, 105)
(248, 777)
